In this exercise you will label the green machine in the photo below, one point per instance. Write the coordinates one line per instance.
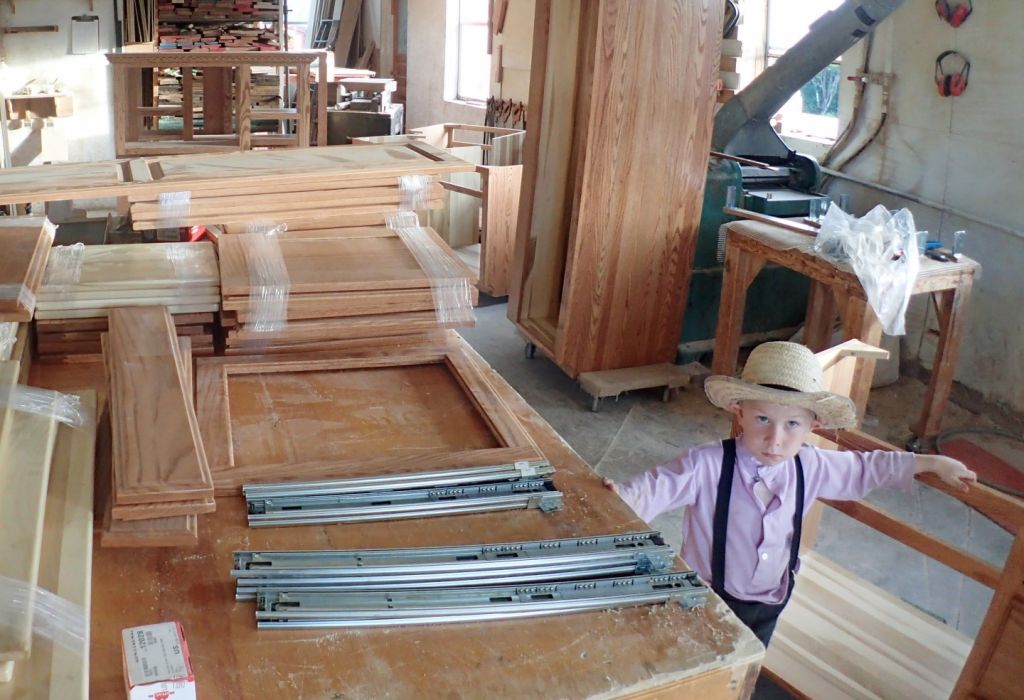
(777, 298)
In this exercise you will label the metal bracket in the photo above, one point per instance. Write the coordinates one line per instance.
(367, 504)
(470, 565)
(328, 609)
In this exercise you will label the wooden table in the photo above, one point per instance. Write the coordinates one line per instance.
(226, 77)
(836, 289)
(651, 652)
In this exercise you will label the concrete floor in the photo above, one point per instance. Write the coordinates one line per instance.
(638, 431)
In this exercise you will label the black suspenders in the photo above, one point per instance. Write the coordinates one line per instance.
(721, 521)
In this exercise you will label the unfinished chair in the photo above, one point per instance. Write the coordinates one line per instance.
(843, 637)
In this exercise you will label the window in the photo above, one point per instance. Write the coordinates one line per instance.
(814, 110)
(298, 14)
(467, 63)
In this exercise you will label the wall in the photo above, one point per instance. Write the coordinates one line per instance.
(512, 51)
(965, 153)
(425, 103)
(47, 56)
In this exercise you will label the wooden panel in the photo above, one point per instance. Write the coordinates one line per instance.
(376, 412)
(500, 217)
(840, 637)
(157, 448)
(256, 170)
(335, 264)
(65, 566)
(310, 306)
(351, 196)
(378, 326)
(328, 214)
(507, 149)
(545, 204)
(26, 448)
(640, 196)
(112, 268)
(26, 248)
(164, 524)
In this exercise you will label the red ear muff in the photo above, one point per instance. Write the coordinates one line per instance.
(960, 14)
(944, 84)
(954, 16)
(957, 84)
(951, 84)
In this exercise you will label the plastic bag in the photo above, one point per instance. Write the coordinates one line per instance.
(881, 248)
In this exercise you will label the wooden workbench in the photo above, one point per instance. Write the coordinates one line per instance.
(835, 289)
(649, 652)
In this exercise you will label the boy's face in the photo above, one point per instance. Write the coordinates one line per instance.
(771, 431)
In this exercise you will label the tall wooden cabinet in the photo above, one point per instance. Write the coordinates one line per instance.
(621, 104)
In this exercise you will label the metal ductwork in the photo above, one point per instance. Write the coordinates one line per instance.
(742, 126)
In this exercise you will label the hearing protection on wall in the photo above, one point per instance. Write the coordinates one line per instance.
(954, 15)
(951, 84)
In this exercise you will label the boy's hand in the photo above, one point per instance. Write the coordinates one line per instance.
(951, 471)
(611, 486)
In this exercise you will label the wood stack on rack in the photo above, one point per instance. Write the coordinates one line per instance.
(46, 498)
(340, 285)
(84, 282)
(232, 25)
(160, 479)
(26, 247)
(264, 91)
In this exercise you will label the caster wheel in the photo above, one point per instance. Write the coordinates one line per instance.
(530, 351)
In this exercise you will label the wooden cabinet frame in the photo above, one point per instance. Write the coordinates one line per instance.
(213, 406)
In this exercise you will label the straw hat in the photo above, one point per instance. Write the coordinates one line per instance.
(787, 374)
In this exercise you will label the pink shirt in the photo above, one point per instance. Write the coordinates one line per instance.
(758, 544)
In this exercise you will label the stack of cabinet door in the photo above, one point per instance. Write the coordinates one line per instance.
(159, 478)
(621, 103)
(336, 285)
(83, 282)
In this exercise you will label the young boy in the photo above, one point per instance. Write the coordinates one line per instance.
(747, 497)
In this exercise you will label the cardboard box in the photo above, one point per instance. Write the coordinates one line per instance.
(156, 663)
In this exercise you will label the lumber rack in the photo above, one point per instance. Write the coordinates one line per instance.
(462, 566)
(322, 609)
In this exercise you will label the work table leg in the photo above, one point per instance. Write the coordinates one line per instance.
(821, 314)
(741, 268)
(861, 323)
(951, 321)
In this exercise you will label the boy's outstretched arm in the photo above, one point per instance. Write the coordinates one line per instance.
(951, 471)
